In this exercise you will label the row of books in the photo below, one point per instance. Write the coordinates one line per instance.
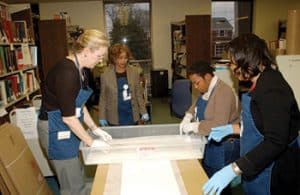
(17, 58)
(14, 31)
(15, 86)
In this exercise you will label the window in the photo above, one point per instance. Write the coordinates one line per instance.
(222, 33)
(238, 13)
(219, 48)
(229, 19)
(128, 22)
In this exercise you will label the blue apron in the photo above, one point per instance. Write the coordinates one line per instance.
(63, 143)
(216, 154)
(124, 102)
(250, 138)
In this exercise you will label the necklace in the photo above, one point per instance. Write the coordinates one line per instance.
(81, 73)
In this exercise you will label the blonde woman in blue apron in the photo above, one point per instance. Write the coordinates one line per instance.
(66, 92)
(215, 106)
(269, 162)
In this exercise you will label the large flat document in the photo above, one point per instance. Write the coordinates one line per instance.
(148, 178)
(163, 147)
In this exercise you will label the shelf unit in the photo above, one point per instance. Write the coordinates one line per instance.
(191, 42)
(26, 85)
(19, 78)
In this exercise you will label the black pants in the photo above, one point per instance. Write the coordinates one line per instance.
(286, 172)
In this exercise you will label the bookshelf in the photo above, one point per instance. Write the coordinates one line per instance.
(190, 43)
(18, 60)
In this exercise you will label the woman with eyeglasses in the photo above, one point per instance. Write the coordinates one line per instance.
(269, 162)
(66, 92)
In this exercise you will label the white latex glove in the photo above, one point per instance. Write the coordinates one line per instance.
(186, 120)
(145, 117)
(191, 127)
(100, 144)
(99, 132)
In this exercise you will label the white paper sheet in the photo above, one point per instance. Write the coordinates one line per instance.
(148, 178)
(26, 119)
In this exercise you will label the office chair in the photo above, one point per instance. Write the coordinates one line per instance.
(181, 97)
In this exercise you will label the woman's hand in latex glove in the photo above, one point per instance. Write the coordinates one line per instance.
(186, 120)
(99, 132)
(145, 117)
(219, 181)
(103, 122)
(218, 133)
(191, 128)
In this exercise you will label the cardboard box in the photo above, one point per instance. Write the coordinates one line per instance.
(19, 171)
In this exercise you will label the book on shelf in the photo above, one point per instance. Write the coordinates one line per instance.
(19, 57)
(26, 54)
(30, 81)
(8, 30)
(9, 92)
(3, 37)
(11, 60)
(23, 56)
(3, 60)
(34, 55)
(21, 31)
(3, 97)
(15, 82)
(1, 67)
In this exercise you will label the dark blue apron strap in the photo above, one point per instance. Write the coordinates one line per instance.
(295, 143)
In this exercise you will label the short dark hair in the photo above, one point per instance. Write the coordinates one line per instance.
(249, 51)
(200, 68)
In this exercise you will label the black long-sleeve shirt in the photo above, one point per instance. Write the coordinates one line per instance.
(62, 87)
(276, 116)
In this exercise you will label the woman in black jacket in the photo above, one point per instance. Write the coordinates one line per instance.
(269, 162)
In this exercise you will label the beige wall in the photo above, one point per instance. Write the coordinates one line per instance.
(86, 14)
(267, 14)
(89, 14)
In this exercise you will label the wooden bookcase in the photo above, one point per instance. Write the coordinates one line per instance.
(19, 78)
(191, 42)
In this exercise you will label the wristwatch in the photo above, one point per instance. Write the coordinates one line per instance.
(236, 169)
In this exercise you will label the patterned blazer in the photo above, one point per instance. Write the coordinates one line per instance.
(108, 101)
